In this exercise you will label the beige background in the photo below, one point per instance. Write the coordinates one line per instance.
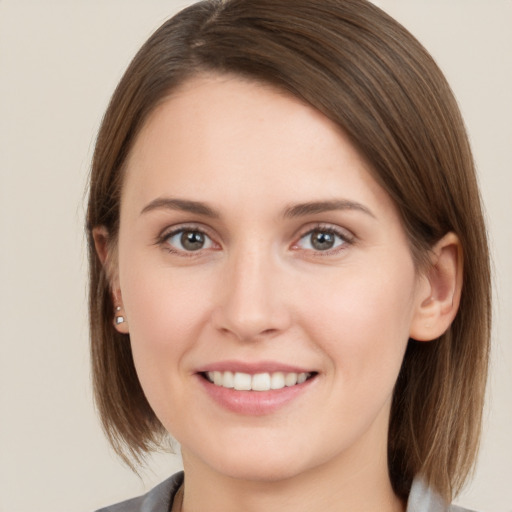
(59, 63)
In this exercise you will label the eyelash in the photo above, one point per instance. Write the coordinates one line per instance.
(346, 239)
(163, 240)
(343, 235)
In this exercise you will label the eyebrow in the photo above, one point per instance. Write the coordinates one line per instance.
(311, 208)
(293, 211)
(185, 205)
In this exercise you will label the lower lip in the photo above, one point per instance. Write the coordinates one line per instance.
(254, 403)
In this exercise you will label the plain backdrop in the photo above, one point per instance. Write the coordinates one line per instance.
(59, 63)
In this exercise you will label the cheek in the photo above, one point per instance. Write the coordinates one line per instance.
(165, 317)
(166, 311)
(363, 321)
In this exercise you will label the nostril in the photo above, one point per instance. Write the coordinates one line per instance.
(268, 332)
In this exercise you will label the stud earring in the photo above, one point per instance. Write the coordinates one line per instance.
(119, 319)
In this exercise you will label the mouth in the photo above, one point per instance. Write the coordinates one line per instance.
(265, 381)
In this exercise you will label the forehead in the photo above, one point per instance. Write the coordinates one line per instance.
(231, 111)
(221, 136)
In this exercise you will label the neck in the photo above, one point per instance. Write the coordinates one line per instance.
(364, 486)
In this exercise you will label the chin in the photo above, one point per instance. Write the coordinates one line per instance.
(261, 471)
(262, 465)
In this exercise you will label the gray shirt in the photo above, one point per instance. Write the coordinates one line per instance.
(160, 498)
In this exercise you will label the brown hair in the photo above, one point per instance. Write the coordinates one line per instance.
(365, 72)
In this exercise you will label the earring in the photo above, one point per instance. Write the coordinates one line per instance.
(119, 319)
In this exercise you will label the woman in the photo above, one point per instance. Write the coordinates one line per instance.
(289, 267)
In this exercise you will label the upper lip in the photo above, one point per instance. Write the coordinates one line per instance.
(252, 367)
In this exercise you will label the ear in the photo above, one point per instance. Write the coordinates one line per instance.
(439, 292)
(101, 237)
(108, 260)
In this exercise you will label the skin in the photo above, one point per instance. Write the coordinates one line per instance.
(259, 291)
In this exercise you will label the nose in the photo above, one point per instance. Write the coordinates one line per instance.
(251, 302)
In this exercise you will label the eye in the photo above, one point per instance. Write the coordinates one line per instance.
(188, 240)
(322, 239)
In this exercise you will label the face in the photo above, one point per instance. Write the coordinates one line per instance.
(267, 283)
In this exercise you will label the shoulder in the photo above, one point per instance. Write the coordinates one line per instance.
(424, 499)
(158, 499)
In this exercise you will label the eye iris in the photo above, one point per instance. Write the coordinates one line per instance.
(322, 240)
(192, 240)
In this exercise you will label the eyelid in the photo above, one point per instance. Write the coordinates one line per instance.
(171, 231)
(343, 233)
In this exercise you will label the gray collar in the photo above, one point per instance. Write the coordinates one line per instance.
(159, 499)
(424, 499)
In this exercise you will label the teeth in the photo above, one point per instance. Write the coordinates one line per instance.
(217, 378)
(277, 380)
(301, 377)
(290, 379)
(228, 380)
(260, 382)
(257, 382)
(242, 382)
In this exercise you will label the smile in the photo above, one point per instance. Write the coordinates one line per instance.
(240, 381)
(257, 388)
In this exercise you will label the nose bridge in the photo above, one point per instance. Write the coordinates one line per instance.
(251, 302)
